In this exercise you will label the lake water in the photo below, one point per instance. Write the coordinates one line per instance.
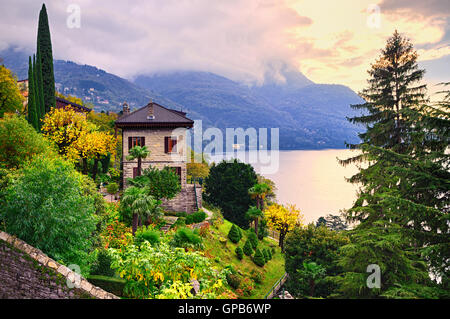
(312, 180)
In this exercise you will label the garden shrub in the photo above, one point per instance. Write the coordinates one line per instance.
(233, 234)
(147, 234)
(204, 230)
(258, 258)
(240, 232)
(116, 235)
(247, 286)
(185, 237)
(253, 239)
(46, 208)
(163, 271)
(239, 253)
(102, 265)
(110, 284)
(266, 254)
(199, 216)
(181, 221)
(189, 219)
(233, 280)
(19, 142)
(257, 276)
(248, 248)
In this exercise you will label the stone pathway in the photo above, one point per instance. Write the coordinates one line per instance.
(170, 220)
(208, 212)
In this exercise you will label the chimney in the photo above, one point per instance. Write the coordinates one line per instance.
(150, 115)
(126, 108)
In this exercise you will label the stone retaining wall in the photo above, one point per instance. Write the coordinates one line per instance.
(27, 273)
(185, 200)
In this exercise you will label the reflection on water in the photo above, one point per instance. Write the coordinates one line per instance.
(312, 180)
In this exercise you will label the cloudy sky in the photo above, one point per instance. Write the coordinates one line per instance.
(327, 40)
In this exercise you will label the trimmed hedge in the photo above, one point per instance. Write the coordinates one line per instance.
(109, 284)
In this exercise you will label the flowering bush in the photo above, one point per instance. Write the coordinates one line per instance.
(163, 271)
(116, 235)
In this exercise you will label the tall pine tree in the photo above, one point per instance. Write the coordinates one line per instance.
(404, 179)
(44, 48)
(392, 100)
(32, 114)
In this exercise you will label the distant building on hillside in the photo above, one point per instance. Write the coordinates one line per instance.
(60, 102)
(158, 128)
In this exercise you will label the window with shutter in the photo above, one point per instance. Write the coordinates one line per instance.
(135, 141)
(170, 144)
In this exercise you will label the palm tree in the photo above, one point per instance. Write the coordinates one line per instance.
(138, 152)
(312, 272)
(259, 191)
(141, 204)
(254, 214)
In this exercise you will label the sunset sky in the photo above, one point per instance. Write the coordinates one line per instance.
(329, 41)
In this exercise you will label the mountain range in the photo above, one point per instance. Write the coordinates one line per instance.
(308, 115)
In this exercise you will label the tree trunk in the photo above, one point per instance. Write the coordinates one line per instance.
(139, 166)
(95, 168)
(312, 285)
(281, 241)
(85, 166)
(134, 223)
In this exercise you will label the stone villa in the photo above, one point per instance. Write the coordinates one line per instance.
(163, 131)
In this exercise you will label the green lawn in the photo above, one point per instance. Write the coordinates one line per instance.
(224, 255)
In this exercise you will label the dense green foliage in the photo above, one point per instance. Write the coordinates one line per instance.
(44, 53)
(10, 96)
(233, 234)
(402, 206)
(227, 187)
(253, 239)
(142, 206)
(313, 244)
(32, 114)
(19, 142)
(186, 237)
(102, 265)
(162, 272)
(147, 234)
(248, 248)
(239, 252)
(161, 184)
(46, 208)
(259, 258)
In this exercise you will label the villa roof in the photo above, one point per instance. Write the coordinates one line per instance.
(61, 103)
(162, 117)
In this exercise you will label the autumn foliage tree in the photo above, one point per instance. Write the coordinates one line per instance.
(10, 97)
(282, 219)
(77, 138)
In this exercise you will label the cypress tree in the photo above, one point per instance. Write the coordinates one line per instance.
(32, 115)
(248, 249)
(259, 259)
(239, 253)
(233, 234)
(39, 88)
(44, 47)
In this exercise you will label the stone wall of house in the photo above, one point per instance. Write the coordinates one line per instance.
(27, 273)
(154, 140)
(185, 200)
(129, 165)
